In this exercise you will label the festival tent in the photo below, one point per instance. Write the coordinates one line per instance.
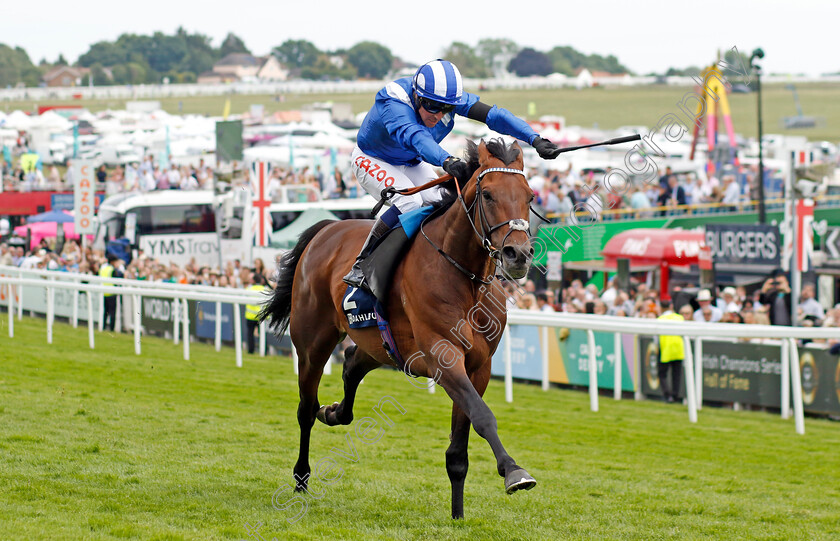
(45, 230)
(664, 247)
(57, 216)
(287, 237)
(18, 120)
(50, 120)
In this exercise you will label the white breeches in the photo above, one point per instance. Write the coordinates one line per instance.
(374, 175)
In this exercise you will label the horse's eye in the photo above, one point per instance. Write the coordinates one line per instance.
(532, 198)
(487, 196)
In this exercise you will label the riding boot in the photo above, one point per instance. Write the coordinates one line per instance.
(356, 277)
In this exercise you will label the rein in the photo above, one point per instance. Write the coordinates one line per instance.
(471, 275)
(517, 224)
(388, 193)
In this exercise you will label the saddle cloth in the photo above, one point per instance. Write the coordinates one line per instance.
(363, 310)
(360, 308)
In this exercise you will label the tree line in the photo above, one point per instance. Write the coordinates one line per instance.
(183, 56)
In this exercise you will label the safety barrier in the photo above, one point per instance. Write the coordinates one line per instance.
(790, 374)
(14, 280)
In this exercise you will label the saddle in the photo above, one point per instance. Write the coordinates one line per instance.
(380, 264)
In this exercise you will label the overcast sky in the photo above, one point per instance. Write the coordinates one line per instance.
(645, 35)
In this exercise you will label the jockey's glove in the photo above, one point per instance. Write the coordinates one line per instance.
(545, 148)
(458, 169)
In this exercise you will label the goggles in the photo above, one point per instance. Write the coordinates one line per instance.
(435, 107)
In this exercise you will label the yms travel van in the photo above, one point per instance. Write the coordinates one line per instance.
(175, 226)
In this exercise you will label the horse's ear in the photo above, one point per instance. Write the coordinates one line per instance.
(483, 153)
(520, 157)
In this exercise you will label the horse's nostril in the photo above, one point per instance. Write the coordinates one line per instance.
(531, 251)
(509, 253)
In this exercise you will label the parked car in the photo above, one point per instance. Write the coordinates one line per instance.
(120, 155)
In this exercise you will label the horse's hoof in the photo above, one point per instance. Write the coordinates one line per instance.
(519, 479)
(322, 413)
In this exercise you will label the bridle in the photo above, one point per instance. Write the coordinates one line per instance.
(476, 212)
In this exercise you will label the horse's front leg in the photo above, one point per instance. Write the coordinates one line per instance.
(458, 386)
(457, 459)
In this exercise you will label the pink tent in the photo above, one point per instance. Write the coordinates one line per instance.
(45, 230)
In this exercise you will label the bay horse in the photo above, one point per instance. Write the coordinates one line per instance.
(432, 304)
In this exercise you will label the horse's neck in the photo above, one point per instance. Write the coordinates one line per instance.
(456, 236)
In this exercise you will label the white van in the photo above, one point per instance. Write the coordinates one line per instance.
(175, 226)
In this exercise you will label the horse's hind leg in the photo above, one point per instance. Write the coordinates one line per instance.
(357, 364)
(314, 348)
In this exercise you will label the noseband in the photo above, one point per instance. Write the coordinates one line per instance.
(517, 224)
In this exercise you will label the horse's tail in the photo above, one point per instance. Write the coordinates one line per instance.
(279, 304)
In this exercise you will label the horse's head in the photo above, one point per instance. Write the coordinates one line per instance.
(500, 198)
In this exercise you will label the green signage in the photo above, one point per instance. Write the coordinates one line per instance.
(750, 373)
(584, 242)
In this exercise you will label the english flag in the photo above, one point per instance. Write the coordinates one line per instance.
(260, 201)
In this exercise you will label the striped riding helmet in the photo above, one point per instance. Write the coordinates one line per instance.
(439, 80)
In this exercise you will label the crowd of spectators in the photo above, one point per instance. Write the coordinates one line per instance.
(561, 191)
(768, 305)
(558, 191)
(72, 258)
(150, 175)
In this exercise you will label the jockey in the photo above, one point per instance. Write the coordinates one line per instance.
(398, 142)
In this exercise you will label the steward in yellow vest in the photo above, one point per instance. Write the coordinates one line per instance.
(109, 313)
(671, 348)
(671, 354)
(252, 311)
(107, 271)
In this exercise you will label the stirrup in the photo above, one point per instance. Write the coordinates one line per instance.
(356, 277)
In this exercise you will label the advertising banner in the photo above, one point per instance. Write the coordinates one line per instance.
(158, 314)
(84, 196)
(183, 248)
(750, 373)
(203, 324)
(744, 244)
(820, 380)
(204, 316)
(66, 201)
(568, 356)
(574, 354)
(578, 243)
(526, 353)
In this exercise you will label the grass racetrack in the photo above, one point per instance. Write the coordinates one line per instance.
(103, 444)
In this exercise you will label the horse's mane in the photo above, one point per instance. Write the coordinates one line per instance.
(496, 147)
(448, 197)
